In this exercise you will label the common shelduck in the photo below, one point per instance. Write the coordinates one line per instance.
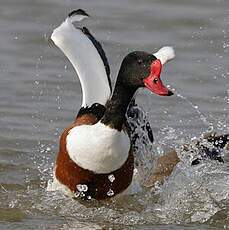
(89, 164)
(95, 158)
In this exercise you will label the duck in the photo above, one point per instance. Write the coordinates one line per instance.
(78, 39)
(95, 158)
(73, 41)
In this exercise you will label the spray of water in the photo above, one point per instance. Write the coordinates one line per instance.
(191, 194)
(202, 117)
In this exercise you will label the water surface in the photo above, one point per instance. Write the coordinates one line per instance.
(40, 95)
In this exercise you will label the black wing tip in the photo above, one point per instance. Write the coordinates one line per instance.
(78, 12)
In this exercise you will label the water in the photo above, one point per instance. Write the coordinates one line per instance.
(40, 96)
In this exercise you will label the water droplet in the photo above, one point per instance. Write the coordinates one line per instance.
(82, 187)
(110, 192)
(111, 178)
(76, 194)
(48, 149)
(13, 203)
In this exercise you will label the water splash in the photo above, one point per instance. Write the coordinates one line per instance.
(196, 194)
(82, 187)
(144, 150)
(111, 178)
(110, 192)
(202, 117)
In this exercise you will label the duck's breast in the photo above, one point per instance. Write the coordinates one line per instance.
(98, 148)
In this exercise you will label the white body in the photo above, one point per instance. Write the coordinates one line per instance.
(85, 59)
(98, 147)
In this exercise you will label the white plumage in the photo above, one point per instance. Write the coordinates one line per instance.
(85, 59)
(98, 147)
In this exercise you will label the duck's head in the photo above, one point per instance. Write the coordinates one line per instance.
(142, 69)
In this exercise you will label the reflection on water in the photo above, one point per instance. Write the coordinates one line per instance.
(40, 96)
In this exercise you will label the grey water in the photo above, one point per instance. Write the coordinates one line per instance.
(40, 96)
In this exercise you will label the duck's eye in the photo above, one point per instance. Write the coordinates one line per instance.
(140, 61)
(155, 80)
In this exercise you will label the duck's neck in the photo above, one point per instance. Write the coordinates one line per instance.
(116, 107)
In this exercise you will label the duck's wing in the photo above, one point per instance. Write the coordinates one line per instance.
(137, 119)
(87, 57)
(101, 52)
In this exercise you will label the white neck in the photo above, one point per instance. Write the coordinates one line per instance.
(86, 61)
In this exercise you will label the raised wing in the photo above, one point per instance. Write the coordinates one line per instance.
(87, 57)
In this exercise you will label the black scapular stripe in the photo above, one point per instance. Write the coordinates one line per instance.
(101, 52)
